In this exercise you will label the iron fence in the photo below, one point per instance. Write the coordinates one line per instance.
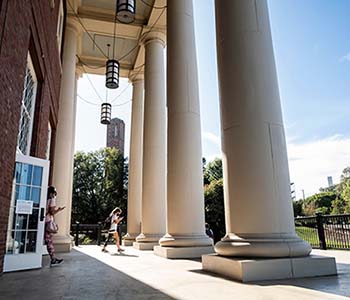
(92, 233)
(325, 231)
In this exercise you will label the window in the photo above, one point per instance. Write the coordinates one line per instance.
(27, 109)
(60, 26)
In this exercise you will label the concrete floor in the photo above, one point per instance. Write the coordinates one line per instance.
(90, 274)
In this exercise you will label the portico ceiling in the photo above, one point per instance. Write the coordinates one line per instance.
(95, 21)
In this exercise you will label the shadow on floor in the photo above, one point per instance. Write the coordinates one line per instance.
(122, 254)
(80, 277)
(336, 285)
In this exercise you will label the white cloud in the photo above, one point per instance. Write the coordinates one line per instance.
(345, 58)
(211, 137)
(310, 163)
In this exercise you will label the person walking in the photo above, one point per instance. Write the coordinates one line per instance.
(208, 231)
(115, 218)
(50, 226)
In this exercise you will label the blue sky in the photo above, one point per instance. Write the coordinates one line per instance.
(310, 43)
(312, 49)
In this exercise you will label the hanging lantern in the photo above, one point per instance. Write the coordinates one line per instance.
(112, 74)
(126, 11)
(106, 112)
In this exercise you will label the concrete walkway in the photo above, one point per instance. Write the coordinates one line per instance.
(90, 274)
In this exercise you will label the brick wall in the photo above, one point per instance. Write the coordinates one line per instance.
(116, 140)
(25, 25)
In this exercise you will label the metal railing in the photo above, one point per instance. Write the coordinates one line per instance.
(92, 233)
(325, 231)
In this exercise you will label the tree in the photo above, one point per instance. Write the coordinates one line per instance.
(97, 185)
(344, 178)
(345, 195)
(213, 171)
(338, 206)
(298, 208)
(319, 203)
(214, 207)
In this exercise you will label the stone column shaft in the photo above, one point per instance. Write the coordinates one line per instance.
(65, 134)
(153, 178)
(135, 163)
(258, 206)
(185, 196)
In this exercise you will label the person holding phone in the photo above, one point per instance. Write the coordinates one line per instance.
(115, 217)
(51, 211)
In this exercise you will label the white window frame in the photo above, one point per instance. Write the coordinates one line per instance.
(59, 31)
(24, 109)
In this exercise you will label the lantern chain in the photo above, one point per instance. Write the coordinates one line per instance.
(89, 35)
(154, 24)
(93, 87)
(95, 104)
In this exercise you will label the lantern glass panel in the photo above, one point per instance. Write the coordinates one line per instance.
(106, 112)
(112, 74)
(126, 11)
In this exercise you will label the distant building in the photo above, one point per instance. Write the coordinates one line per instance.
(116, 134)
(330, 180)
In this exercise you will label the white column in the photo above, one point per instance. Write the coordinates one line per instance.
(185, 197)
(135, 163)
(153, 178)
(65, 134)
(258, 206)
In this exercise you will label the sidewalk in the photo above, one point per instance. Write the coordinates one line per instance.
(90, 274)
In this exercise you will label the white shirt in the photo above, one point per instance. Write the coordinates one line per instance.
(114, 226)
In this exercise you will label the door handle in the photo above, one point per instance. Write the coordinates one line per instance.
(42, 214)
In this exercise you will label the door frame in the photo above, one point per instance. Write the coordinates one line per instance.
(25, 261)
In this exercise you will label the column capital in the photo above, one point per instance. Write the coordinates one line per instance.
(153, 36)
(73, 24)
(136, 77)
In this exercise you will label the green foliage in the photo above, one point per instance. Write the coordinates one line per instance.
(214, 207)
(319, 203)
(213, 171)
(331, 200)
(99, 185)
(298, 208)
(214, 197)
(338, 206)
(346, 196)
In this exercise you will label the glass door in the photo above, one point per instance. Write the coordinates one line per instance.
(25, 230)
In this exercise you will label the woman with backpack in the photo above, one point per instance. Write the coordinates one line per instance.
(115, 219)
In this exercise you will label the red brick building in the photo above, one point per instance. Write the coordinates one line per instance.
(31, 35)
(116, 134)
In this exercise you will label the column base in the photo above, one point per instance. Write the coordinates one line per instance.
(63, 244)
(173, 240)
(149, 238)
(128, 242)
(263, 245)
(147, 241)
(129, 239)
(145, 246)
(182, 252)
(246, 270)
